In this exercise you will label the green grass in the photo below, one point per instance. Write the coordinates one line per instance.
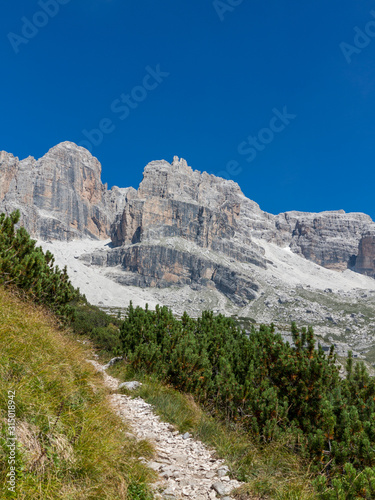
(270, 472)
(70, 444)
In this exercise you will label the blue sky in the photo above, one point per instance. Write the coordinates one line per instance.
(261, 92)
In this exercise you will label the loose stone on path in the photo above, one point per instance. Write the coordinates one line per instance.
(187, 468)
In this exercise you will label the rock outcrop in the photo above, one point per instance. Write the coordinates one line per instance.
(184, 228)
(60, 196)
(175, 201)
(329, 239)
(365, 261)
(164, 266)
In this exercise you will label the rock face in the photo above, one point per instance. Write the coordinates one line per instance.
(329, 239)
(164, 266)
(175, 201)
(181, 227)
(61, 195)
(365, 262)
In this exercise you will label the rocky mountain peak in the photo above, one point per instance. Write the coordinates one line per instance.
(61, 195)
(179, 162)
(173, 199)
(178, 181)
(69, 155)
(4, 156)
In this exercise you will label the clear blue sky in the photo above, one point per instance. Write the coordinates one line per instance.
(229, 68)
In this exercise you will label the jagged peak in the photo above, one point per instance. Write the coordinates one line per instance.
(182, 166)
(4, 155)
(179, 162)
(157, 164)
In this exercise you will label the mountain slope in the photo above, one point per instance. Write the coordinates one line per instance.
(69, 442)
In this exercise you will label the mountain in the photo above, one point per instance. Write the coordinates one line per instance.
(60, 196)
(194, 241)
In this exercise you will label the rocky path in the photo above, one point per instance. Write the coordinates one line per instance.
(187, 468)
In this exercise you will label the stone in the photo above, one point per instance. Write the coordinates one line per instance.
(112, 362)
(131, 386)
(223, 471)
(221, 489)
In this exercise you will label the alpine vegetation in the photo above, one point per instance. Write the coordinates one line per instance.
(27, 267)
(272, 389)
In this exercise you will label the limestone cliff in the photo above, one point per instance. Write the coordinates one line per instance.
(186, 227)
(329, 239)
(365, 262)
(60, 196)
(175, 201)
(182, 227)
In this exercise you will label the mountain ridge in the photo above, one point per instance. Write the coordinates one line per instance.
(61, 196)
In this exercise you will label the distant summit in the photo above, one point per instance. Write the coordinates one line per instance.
(60, 196)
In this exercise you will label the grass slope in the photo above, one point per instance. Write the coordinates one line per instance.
(70, 445)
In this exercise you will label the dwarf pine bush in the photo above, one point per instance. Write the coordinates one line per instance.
(269, 387)
(28, 268)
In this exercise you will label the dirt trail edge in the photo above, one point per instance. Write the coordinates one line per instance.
(187, 468)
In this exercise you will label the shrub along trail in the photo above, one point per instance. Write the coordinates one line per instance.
(187, 468)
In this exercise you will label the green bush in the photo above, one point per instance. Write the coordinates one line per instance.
(102, 328)
(351, 485)
(269, 387)
(138, 491)
(27, 268)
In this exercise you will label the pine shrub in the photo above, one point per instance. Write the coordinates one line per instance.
(26, 267)
(269, 387)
